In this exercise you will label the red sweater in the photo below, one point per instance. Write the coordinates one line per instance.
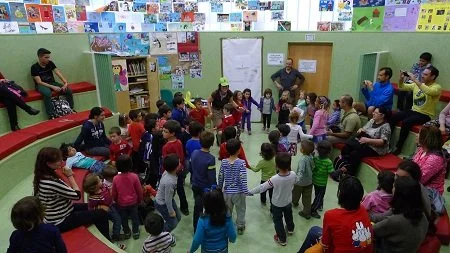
(116, 150)
(135, 130)
(223, 154)
(227, 121)
(237, 112)
(126, 189)
(199, 115)
(174, 147)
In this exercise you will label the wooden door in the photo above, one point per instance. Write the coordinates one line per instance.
(317, 82)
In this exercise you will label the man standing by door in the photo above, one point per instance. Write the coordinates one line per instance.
(287, 78)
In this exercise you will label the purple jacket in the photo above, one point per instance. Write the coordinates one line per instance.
(248, 104)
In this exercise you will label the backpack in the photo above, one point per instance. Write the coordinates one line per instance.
(60, 106)
(338, 163)
(437, 201)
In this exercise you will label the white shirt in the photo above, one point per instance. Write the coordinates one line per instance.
(295, 131)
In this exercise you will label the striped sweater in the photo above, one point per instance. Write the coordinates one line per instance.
(161, 243)
(233, 177)
(57, 197)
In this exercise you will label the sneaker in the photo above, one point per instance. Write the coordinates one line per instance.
(127, 236)
(302, 214)
(277, 240)
(136, 235)
(185, 212)
(289, 232)
(320, 209)
(315, 215)
(268, 130)
(249, 132)
(264, 129)
(294, 204)
(240, 230)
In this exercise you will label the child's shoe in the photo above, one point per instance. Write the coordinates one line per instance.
(302, 214)
(240, 230)
(289, 232)
(136, 235)
(249, 132)
(127, 235)
(264, 129)
(277, 240)
(315, 215)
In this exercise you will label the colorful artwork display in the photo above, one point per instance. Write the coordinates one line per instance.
(401, 17)
(368, 19)
(326, 5)
(434, 18)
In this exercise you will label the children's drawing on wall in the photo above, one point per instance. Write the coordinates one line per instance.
(368, 3)
(368, 19)
(284, 25)
(177, 81)
(163, 43)
(345, 10)
(277, 15)
(60, 28)
(217, 6)
(135, 43)
(277, 5)
(323, 26)
(71, 14)
(337, 26)
(120, 78)
(44, 27)
(59, 14)
(9, 28)
(196, 73)
(18, 12)
(251, 16)
(326, 5)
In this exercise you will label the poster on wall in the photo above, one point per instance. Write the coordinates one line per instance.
(401, 17)
(44, 27)
(177, 82)
(105, 42)
(326, 5)
(368, 3)
(275, 59)
(9, 28)
(60, 27)
(33, 13)
(59, 14)
(163, 43)
(17, 11)
(120, 76)
(345, 10)
(434, 18)
(403, 2)
(135, 43)
(307, 66)
(323, 26)
(284, 26)
(368, 19)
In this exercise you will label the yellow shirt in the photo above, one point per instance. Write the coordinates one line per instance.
(425, 98)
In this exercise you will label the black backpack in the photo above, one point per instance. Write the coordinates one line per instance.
(60, 106)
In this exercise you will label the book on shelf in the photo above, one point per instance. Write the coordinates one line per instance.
(136, 68)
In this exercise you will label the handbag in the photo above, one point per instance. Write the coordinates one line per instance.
(16, 89)
(60, 106)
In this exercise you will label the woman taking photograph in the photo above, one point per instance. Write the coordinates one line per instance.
(92, 138)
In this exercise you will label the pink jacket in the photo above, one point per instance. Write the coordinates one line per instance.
(127, 189)
(432, 167)
(377, 201)
(319, 126)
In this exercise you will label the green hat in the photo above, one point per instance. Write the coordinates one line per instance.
(223, 82)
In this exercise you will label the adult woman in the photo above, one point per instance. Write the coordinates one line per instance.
(430, 158)
(443, 122)
(371, 140)
(11, 95)
(56, 196)
(406, 228)
(345, 229)
(93, 135)
(218, 99)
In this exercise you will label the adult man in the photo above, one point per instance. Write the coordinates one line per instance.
(42, 72)
(288, 77)
(379, 94)
(350, 121)
(426, 95)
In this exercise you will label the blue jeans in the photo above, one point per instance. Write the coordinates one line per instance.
(170, 223)
(129, 212)
(246, 117)
(312, 238)
(317, 138)
(114, 216)
(278, 213)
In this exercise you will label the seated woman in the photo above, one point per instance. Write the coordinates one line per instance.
(57, 197)
(92, 138)
(371, 140)
(406, 228)
(346, 229)
(12, 95)
(443, 122)
(430, 158)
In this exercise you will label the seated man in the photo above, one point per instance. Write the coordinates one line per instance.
(42, 72)
(350, 122)
(426, 95)
(380, 94)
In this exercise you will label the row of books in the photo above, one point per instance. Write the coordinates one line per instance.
(141, 101)
(136, 68)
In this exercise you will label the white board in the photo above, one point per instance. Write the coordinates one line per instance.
(242, 65)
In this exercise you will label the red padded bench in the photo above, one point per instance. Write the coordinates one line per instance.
(14, 141)
(34, 95)
(80, 240)
(386, 162)
(431, 244)
(443, 228)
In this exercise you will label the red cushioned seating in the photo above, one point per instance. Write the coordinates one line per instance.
(33, 95)
(80, 240)
(339, 145)
(78, 175)
(445, 94)
(386, 162)
(443, 228)
(431, 244)
(14, 141)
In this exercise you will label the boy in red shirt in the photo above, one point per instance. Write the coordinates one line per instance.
(135, 131)
(199, 113)
(118, 145)
(230, 133)
(174, 146)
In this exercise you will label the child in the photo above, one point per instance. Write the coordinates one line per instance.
(157, 241)
(32, 235)
(303, 187)
(108, 175)
(323, 166)
(195, 129)
(152, 141)
(301, 104)
(283, 111)
(203, 173)
(78, 160)
(147, 205)
(215, 228)
(310, 101)
(178, 112)
(199, 113)
(136, 129)
(295, 131)
(238, 111)
(164, 202)
(233, 181)
(247, 102)
(379, 201)
(283, 144)
(127, 194)
(228, 134)
(335, 118)
(100, 198)
(267, 106)
(160, 103)
(319, 125)
(118, 145)
(165, 113)
(174, 146)
(282, 184)
(267, 168)
(124, 121)
(227, 120)
(274, 138)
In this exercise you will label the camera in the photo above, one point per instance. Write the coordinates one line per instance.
(405, 73)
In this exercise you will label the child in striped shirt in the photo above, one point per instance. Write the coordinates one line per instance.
(157, 241)
(233, 182)
(323, 166)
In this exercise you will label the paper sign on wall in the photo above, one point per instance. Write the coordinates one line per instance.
(275, 59)
(307, 66)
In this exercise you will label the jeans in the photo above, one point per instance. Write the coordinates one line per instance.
(238, 200)
(278, 213)
(404, 100)
(408, 119)
(129, 212)
(246, 117)
(319, 194)
(180, 190)
(47, 94)
(304, 192)
(97, 167)
(170, 223)
(312, 238)
(354, 151)
(263, 194)
(198, 204)
(266, 118)
(317, 138)
(98, 151)
(114, 216)
(11, 101)
(81, 216)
